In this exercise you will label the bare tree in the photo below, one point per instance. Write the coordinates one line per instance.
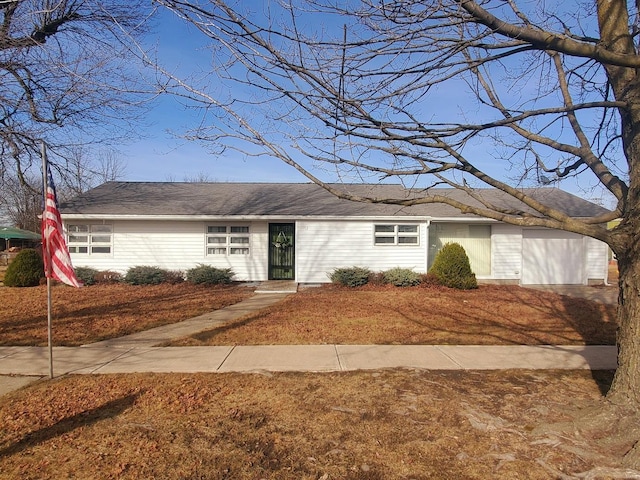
(21, 201)
(448, 92)
(68, 71)
(83, 169)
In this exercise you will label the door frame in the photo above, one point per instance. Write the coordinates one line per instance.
(274, 230)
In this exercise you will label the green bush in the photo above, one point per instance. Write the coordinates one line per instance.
(208, 275)
(86, 275)
(145, 275)
(25, 270)
(107, 276)
(350, 276)
(452, 269)
(401, 277)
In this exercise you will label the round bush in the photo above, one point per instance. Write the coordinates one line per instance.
(452, 269)
(86, 275)
(145, 275)
(25, 270)
(208, 275)
(350, 276)
(401, 277)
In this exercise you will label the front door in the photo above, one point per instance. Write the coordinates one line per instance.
(282, 251)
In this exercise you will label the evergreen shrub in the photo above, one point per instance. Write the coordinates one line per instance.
(401, 277)
(452, 269)
(350, 276)
(25, 270)
(145, 275)
(208, 275)
(86, 275)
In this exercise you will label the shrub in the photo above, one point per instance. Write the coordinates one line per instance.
(429, 280)
(452, 269)
(173, 276)
(350, 276)
(107, 276)
(401, 277)
(86, 275)
(145, 275)
(208, 275)
(25, 270)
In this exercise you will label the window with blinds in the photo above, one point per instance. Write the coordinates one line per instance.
(475, 239)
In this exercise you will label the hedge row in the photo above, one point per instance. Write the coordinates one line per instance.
(450, 268)
(27, 270)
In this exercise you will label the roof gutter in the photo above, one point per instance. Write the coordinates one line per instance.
(210, 218)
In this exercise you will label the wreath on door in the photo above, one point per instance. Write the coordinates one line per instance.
(282, 241)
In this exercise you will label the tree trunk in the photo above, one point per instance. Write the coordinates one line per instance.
(625, 389)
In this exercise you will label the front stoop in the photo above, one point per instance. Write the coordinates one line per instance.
(277, 286)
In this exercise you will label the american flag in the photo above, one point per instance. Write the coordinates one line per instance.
(57, 262)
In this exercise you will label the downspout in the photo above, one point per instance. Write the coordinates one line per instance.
(426, 256)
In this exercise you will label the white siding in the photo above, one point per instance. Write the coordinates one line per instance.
(177, 246)
(322, 246)
(506, 252)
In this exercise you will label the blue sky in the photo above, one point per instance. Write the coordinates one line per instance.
(161, 155)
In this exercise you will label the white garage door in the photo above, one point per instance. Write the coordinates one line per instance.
(552, 257)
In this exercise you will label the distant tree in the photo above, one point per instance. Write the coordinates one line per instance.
(448, 92)
(82, 170)
(21, 199)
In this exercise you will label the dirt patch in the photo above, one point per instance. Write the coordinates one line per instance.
(89, 314)
(490, 315)
(401, 424)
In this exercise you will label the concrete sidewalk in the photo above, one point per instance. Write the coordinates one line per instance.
(34, 361)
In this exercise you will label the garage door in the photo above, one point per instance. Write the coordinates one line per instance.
(552, 257)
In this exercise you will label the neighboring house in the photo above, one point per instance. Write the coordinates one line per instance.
(301, 232)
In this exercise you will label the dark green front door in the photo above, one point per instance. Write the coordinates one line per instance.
(282, 251)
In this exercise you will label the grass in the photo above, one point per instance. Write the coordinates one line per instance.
(98, 312)
(490, 315)
(395, 424)
(370, 425)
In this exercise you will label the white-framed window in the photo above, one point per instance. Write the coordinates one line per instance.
(90, 239)
(399, 234)
(228, 240)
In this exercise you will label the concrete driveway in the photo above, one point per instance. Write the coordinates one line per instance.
(607, 294)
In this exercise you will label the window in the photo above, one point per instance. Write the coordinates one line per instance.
(405, 234)
(90, 239)
(228, 240)
(475, 239)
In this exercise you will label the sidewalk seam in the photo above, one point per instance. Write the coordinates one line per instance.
(122, 354)
(225, 358)
(340, 365)
(458, 364)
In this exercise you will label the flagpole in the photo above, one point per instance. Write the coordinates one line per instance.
(45, 251)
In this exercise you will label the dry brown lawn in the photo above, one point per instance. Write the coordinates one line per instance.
(490, 315)
(392, 424)
(98, 312)
(370, 425)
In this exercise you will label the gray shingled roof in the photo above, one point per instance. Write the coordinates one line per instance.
(284, 199)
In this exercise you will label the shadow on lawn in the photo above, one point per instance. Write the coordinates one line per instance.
(552, 319)
(109, 409)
